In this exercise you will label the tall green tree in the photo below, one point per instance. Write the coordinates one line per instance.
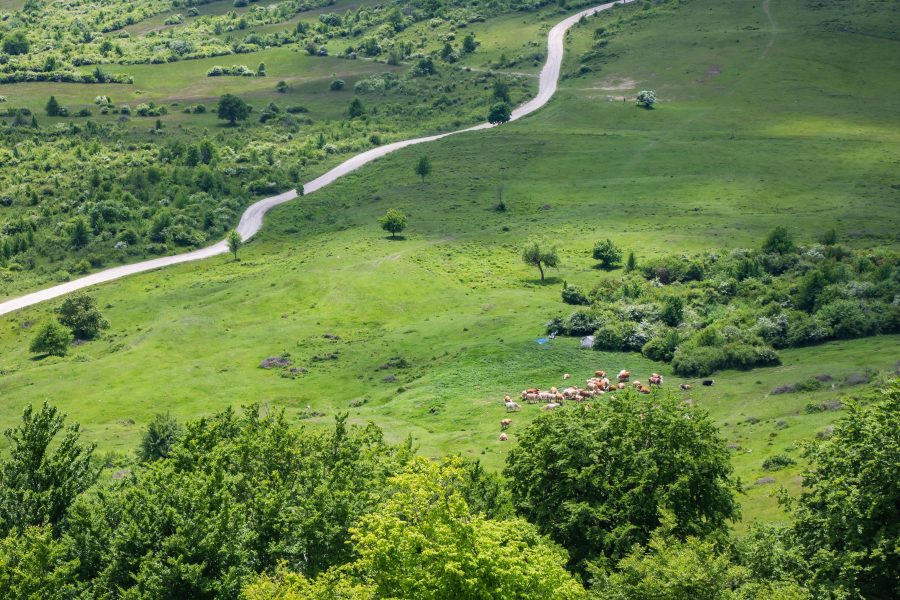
(536, 257)
(42, 475)
(595, 478)
(52, 108)
(52, 339)
(356, 109)
(232, 109)
(235, 241)
(79, 233)
(499, 113)
(607, 253)
(238, 494)
(423, 167)
(160, 437)
(80, 313)
(425, 542)
(846, 519)
(393, 222)
(779, 241)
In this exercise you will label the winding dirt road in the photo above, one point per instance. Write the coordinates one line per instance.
(252, 219)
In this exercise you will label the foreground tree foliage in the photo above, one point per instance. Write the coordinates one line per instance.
(426, 542)
(846, 521)
(238, 495)
(595, 477)
(38, 483)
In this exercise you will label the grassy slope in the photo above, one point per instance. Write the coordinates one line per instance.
(715, 166)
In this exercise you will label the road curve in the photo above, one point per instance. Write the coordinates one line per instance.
(252, 219)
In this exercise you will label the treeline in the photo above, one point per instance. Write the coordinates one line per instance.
(630, 497)
(735, 309)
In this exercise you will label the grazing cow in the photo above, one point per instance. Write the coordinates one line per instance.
(637, 384)
(656, 379)
(512, 407)
(685, 386)
(604, 384)
(552, 406)
(624, 375)
(645, 389)
(506, 398)
(503, 437)
(567, 376)
(553, 390)
(621, 385)
(600, 374)
(546, 396)
(708, 382)
(532, 397)
(505, 423)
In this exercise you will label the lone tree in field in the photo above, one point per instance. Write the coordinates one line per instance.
(499, 113)
(235, 241)
(646, 98)
(423, 168)
(534, 256)
(52, 339)
(607, 253)
(233, 109)
(630, 263)
(393, 221)
(52, 107)
(79, 313)
(356, 109)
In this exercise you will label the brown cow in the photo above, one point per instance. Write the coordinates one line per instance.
(505, 423)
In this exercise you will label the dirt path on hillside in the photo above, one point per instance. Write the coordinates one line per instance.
(765, 7)
(252, 219)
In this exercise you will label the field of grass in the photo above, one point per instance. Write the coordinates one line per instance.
(742, 140)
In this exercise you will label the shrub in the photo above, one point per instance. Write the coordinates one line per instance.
(697, 361)
(581, 322)
(79, 313)
(573, 295)
(613, 335)
(52, 339)
(845, 318)
(336, 85)
(777, 462)
(662, 347)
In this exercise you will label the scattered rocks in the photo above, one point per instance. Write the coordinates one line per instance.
(325, 357)
(276, 362)
(764, 481)
(395, 362)
(751, 420)
(126, 422)
(587, 342)
(331, 336)
(856, 379)
(390, 379)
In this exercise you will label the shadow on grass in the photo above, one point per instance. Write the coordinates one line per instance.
(545, 281)
(607, 268)
(395, 238)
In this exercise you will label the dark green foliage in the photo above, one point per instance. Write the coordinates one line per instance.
(672, 311)
(607, 253)
(596, 478)
(573, 295)
(846, 521)
(79, 234)
(336, 85)
(501, 91)
(630, 263)
(52, 107)
(159, 438)
(777, 462)
(499, 113)
(79, 313)
(356, 109)
(35, 565)
(232, 109)
(733, 311)
(423, 167)
(52, 339)
(234, 242)
(238, 494)
(779, 241)
(42, 476)
(469, 45)
(15, 44)
(393, 221)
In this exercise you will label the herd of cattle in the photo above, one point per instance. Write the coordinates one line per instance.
(597, 385)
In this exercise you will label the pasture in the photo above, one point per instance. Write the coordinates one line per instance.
(742, 140)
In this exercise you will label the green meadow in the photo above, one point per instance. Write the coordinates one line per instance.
(428, 332)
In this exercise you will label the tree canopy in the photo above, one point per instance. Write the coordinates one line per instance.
(79, 313)
(232, 109)
(535, 256)
(499, 113)
(393, 221)
(595, 478)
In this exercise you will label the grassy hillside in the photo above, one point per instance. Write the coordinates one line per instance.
(743, 139)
